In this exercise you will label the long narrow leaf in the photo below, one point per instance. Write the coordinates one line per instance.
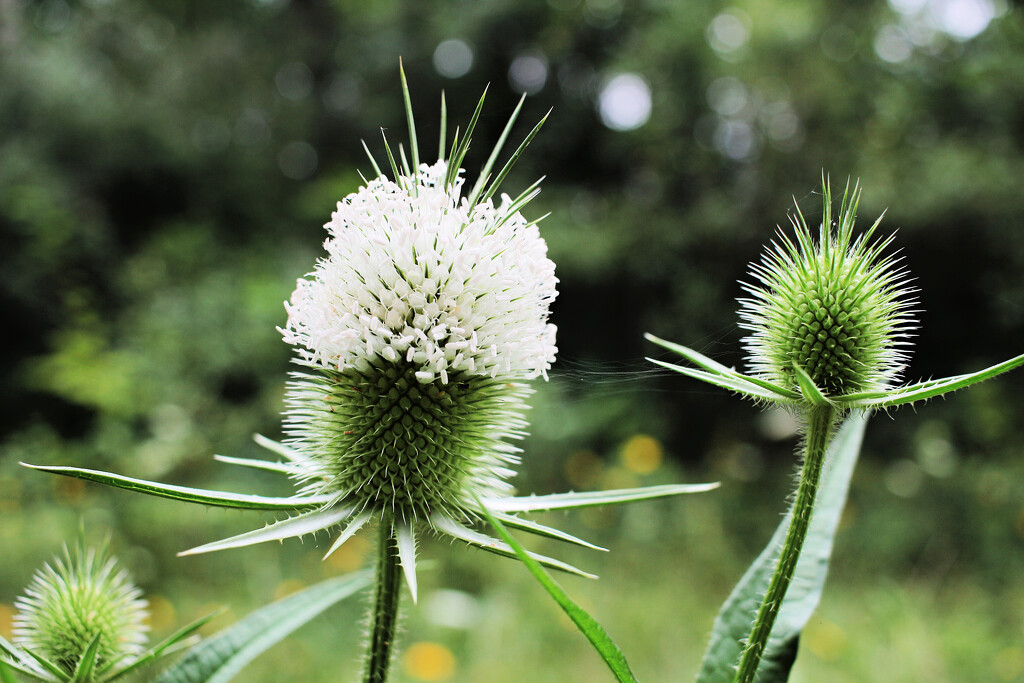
(732, 382)
(541, 530)
(562, 501)
(923, 391)
(732, 626)
(267, 465)
(50, 667)
(308, 523)
(493, 545)
(588, 626)
(21, 662)
(219, 658)
(19, 659)
(184, 493)
(86, 665)
(716, 368)
(348, 532)
(405, 539)
(164, 647)
(289, 454)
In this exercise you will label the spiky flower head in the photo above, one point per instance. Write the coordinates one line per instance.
(76, 598)
(416, 331)
(835, 307)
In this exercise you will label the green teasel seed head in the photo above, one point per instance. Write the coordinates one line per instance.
(386, 442)
(836, 307)
(74, 598)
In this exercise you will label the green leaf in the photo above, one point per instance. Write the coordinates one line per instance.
(355, 525)
(562, 501)
(186, 494)
(266, 465)
(493, 545)
(50, 667)
(541, 530)
(219, 658)
(86, 665)
(809, 390)
(923, 391)
(716, 368)
(405, 540)
(588, 626)
(733, 382)
(732, 626)
(300, 525)
(20, 663)
(19, 660)
(165, 647)
(289, 454)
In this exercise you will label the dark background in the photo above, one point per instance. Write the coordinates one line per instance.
(165, 170)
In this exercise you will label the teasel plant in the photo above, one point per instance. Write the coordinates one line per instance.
(830, 315)
(82, 620)
(415, 338)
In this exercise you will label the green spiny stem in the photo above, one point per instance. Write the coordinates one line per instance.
(385, 606)
(820, 421)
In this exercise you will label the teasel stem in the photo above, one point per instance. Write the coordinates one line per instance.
(820, 422)
(384, 618)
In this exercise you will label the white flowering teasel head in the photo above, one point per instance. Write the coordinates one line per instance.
(416, 331)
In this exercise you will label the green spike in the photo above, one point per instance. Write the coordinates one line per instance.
(514, 158)
(486, 170)
(444, 131)
(460, 153)
(414, 146)
(373, 162)
(391, 157)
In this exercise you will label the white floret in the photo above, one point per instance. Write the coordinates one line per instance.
(414, 272)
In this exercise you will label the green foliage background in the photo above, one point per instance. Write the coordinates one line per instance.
(165, 170)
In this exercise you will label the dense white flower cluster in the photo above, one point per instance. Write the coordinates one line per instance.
(416, 273)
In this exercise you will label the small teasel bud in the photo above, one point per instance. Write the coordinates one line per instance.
(75, 598)
(836, 307)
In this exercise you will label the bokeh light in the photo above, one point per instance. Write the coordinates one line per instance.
(624, 102)
(453, 58)
(528, 72)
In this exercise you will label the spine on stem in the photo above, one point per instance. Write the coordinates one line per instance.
(384, 615)
(820, 421)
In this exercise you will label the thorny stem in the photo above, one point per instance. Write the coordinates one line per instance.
(820, 421)
(384, 618)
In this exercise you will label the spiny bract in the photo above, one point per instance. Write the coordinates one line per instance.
(837, 308)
